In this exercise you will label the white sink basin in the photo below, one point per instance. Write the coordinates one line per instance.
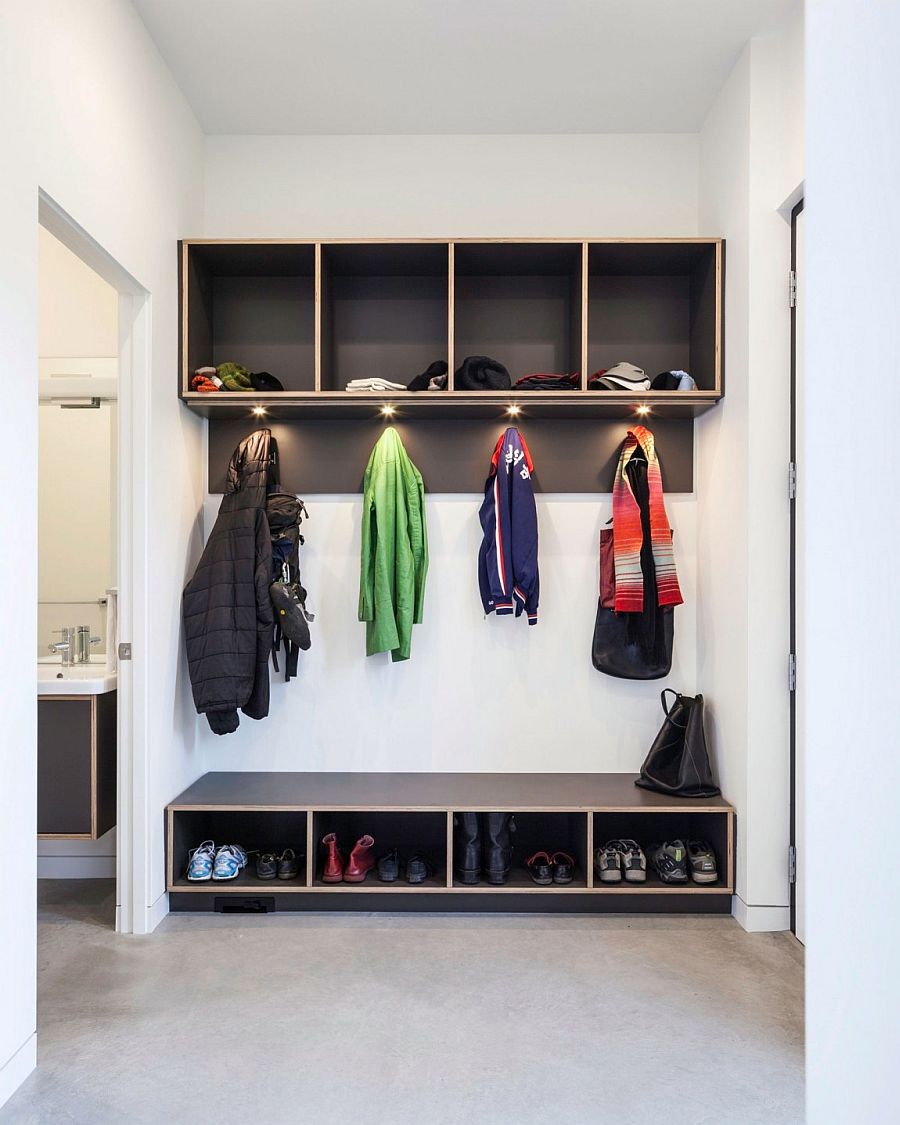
(79, 679)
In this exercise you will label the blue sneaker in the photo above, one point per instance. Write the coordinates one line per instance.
(230, 860)
(200, 862)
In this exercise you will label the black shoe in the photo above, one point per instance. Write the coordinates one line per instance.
(467, 845)
(418, 869)
(266, 865)
(497, 846)
(540, 868)
(563, 868)
(288, 864)
(670, 861)
(389, 866)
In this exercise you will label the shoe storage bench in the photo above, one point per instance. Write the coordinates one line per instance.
(317, 314)
(414, 812)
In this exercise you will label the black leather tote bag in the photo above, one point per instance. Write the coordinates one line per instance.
(678, 762)
(622, 648)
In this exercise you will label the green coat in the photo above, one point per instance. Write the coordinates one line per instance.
(394, 548)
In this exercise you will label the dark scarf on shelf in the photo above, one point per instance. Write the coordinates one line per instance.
(422, 382)
(481, 373)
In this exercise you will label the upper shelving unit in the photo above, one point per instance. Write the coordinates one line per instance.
(318, 314)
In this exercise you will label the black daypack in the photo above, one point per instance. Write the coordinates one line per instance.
(285, 513)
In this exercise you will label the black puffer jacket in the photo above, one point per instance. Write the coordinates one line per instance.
(228, 616)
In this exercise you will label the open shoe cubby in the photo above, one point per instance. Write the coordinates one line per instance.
(412, 833)
(415, 813)
(317, 314)
(254, 830)
(657, 827)
(542, 831)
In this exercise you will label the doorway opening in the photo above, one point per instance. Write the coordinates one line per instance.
(92, 341)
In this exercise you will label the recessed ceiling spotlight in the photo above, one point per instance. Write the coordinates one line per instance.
(388, 411)
(642, 410)
(513, 411)
(259, 411)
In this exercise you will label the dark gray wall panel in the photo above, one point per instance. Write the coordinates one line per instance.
(570, 455)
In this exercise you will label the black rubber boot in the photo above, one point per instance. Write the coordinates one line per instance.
(467, 843)
(497, 846)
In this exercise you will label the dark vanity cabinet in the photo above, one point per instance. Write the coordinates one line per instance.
(76, 766)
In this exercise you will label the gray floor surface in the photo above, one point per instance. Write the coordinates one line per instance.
(425, 1019)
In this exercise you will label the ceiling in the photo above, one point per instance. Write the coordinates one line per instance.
(453, 66)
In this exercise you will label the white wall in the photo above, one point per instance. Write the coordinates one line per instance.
(852, 534)
(451, 186)
(476, 695)
(78, 312)
(89, 113)
(751, 162)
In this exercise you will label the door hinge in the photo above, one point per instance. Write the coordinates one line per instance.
(792, 480)
(792, 864)
(792, 288)
(792, 672)
(125, 650)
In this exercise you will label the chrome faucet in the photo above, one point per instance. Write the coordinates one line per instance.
(75, 646)
(83, 644)
(66, 647)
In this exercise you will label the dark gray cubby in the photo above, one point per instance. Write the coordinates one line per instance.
(655, 305)
(253, 304)
(544, 831)
(423, 833)
(652, 828)
(385, 310)
(256, 831)
(519, 303)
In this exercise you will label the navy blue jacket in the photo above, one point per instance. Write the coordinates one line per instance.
(508, 558)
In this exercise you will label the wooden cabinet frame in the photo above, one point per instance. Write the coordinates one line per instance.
(322, 400)
(585, 799)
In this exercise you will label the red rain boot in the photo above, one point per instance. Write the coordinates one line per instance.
(333, 871)
(361, 861)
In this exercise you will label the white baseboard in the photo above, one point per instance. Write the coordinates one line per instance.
(76, 867)
(157, 912)
(761, 919)
(15, 1070)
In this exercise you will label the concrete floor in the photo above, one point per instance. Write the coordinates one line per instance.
(426, 1019)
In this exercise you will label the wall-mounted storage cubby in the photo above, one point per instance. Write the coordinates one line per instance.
(384, 311)
(252, 304)
(655, 305)
(573, 813)
(519, 303)
(318, 314)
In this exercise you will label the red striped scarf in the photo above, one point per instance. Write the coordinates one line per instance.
(628, 535)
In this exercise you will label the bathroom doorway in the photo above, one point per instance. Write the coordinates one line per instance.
(92, 338)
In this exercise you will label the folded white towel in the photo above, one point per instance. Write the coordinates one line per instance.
(374, 385)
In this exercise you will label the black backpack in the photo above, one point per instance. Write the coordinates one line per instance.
(285, 513)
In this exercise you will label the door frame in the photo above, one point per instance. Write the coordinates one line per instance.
(134, 374)
(795, 212)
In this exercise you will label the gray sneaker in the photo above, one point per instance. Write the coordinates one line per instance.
(670, 862)
(702, 860)
(608, 863)
(634, 862)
